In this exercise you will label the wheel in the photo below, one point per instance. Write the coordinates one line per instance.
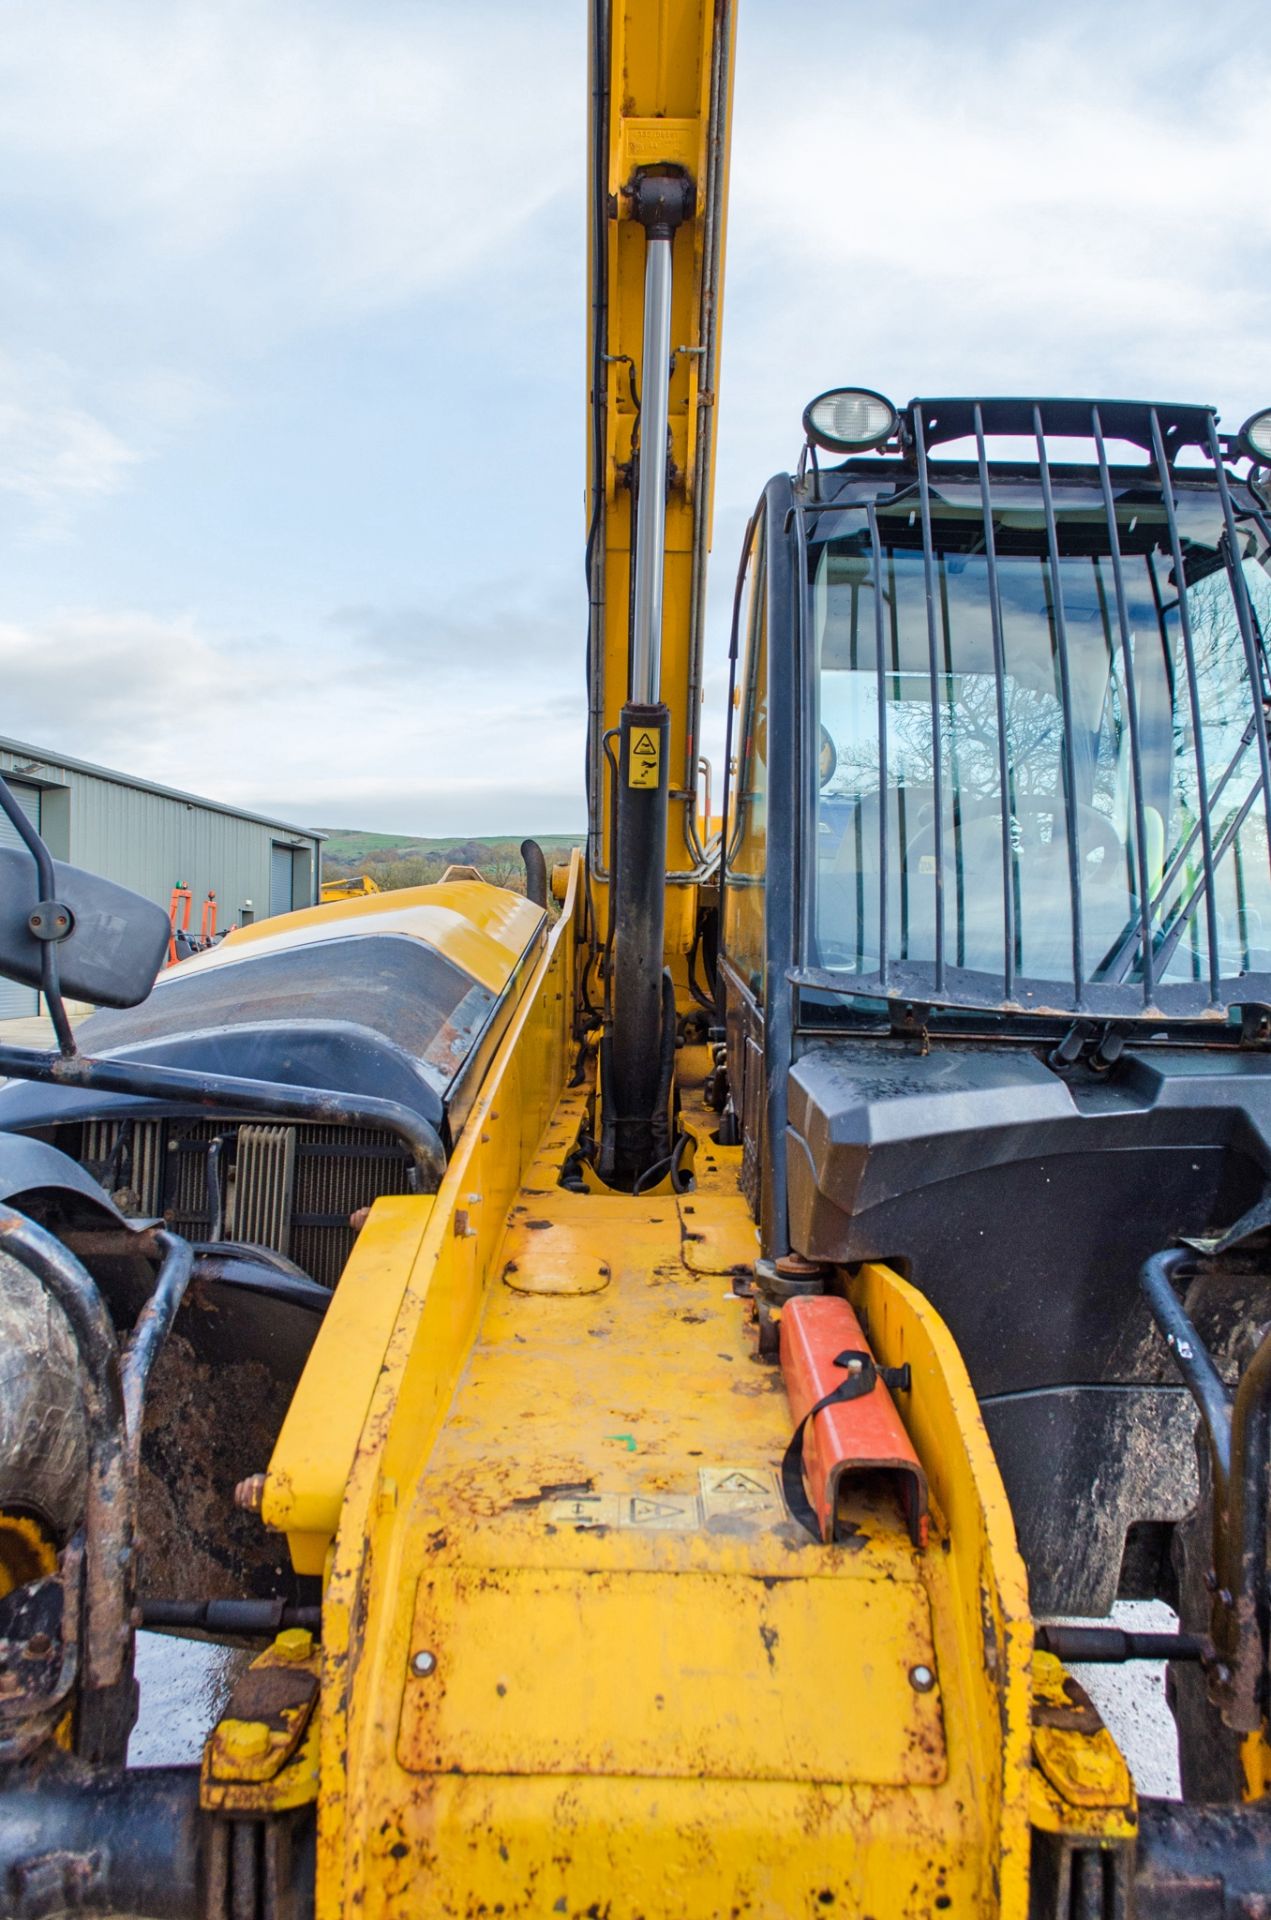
(43, 1442)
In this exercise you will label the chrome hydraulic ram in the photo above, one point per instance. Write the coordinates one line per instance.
(633, 1133)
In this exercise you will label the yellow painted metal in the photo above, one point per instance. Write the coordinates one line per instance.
(569, 1614)
(994, 1635)
(365, 1630)
(26, 1551)
(1255, 1759)
(1080, 1786)
(1072, 1748)
(314, 1454)
(483, 930)
(660, 69)
(348, 889)
(268, 1762)
(746, 1659)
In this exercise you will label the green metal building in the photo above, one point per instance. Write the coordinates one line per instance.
(154, 839)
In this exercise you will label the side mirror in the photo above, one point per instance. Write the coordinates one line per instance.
(116, 946)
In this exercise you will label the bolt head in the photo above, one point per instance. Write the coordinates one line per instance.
(294, 1643)
(244, 1740)
(921, 1679)
(423, 1663)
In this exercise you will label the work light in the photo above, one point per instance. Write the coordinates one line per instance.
(1256, 434)
(849, 419)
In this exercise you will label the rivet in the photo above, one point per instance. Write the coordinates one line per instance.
(423, 1663)
(921, 1679)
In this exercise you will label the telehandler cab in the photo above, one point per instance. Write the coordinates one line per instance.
(806, 1273)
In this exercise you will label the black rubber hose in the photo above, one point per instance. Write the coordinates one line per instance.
(154, 1323)
(666, 1069)
(1191, 1356)
(1105, 1646)
(238, 1270)
(535, 872)
(246, 1617)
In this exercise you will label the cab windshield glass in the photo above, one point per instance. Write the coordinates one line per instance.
(1008, 785)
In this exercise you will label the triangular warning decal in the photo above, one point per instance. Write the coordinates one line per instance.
(656, 1509)
(741, 1483)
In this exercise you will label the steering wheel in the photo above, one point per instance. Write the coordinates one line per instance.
(1102, 851)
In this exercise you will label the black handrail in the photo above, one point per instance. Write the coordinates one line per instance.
(223, 1093)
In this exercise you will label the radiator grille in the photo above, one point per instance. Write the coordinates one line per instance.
(338, 1170)
(264, 1187)
(127, 1153)
(290, 1188)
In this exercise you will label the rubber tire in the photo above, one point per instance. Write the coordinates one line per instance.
(43, 1439)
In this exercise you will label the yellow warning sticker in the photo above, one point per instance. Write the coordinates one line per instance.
(740, 1490)
(659, 1512)
(644, 758)
(741, 1494)
(586, 1510)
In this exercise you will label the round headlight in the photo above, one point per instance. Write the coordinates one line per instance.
(1256, 434)
(849, 420)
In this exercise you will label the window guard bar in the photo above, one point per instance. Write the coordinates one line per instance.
(937, 756)
(1060, 616)
(1193, 695)
(1004, 769)
(1162, 432)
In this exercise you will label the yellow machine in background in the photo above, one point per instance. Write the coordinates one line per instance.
(349, 888)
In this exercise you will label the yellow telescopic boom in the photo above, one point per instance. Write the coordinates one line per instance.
(661, 81)
(661, 84)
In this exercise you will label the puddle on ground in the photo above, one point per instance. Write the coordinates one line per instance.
(184, 1687)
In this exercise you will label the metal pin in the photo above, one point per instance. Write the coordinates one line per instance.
(921, 1679)
(423, 1663)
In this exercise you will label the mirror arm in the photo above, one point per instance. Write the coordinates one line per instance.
(50, 922)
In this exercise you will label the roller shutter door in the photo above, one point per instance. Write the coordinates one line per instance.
(279, 879)
(18, 1002)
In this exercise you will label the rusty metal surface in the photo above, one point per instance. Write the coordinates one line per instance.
(562, 1671)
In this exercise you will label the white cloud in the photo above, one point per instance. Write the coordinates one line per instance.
(199, 197)
(50, 445)
(280, 162)
(401, 722)
(1063, 202)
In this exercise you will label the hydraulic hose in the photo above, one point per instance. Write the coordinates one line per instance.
(154, 1323)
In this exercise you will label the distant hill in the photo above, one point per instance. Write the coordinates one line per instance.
(405, 860)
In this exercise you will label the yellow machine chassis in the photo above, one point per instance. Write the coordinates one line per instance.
(577, 1658)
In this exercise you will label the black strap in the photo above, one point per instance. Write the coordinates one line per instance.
(862, 1379)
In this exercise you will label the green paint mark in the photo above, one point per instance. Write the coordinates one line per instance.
(627, 1439)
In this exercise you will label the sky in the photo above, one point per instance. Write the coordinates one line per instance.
(292, 315)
